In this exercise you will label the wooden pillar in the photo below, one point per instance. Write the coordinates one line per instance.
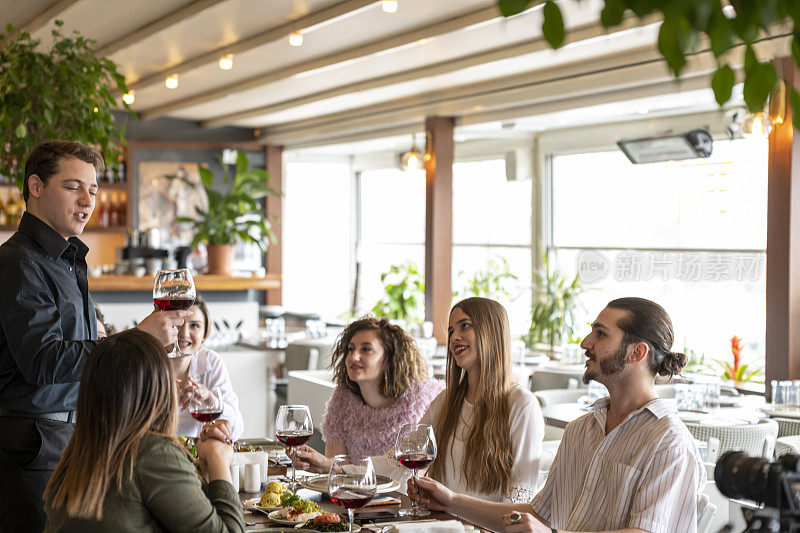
(274, 260)
(783, 242)
(438, 222)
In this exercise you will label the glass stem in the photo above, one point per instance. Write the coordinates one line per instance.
(294, 468)
(414, 504)
(350, 516)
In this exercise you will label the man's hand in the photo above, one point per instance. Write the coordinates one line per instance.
(523, 522)
(430, 494)
(163, 325)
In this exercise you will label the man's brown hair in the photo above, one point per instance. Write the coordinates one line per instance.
(43, 160)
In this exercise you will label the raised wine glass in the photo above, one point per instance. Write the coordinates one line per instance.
(293, 427)
(415, 449)
(173, 290)
(206, 404)
(351, 482)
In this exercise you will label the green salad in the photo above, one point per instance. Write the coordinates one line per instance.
(304, 506)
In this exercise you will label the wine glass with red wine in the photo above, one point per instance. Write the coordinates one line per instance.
(206, 404)
(351, 482)
(174, 290)
(415, 449)
(293, 427)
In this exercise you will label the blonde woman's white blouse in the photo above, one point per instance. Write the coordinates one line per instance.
(526, 426)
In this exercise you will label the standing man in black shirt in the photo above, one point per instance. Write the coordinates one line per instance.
(48, 325)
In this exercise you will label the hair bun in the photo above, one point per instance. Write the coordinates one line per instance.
(672, 364)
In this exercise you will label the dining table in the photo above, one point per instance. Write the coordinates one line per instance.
(256, 521)
(746, 410)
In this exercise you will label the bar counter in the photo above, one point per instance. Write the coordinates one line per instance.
(204, 283)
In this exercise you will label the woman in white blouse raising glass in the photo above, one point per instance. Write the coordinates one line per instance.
(202, 366)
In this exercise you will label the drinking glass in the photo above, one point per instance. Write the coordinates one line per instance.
(173, 290)
(206, 404)
(351, 482)
(415, 449)
(293, 427)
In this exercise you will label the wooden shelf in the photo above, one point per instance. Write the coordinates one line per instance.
(203, 283)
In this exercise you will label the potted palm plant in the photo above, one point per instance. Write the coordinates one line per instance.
(234, 214)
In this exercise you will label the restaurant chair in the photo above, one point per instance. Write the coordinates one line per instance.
(753, 439)
(788, 444)
(309, 354)
(555, 378)
(549, 450)
(556, 396)
(787, 426)
(705, 513)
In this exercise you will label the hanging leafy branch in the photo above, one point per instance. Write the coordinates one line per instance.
(684, 22)
(64, 93)
(404, 296)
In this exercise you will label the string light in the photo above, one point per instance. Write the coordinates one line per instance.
(172, 82)
(296, 38)
(226, 62)
(128, 97)
(389, 6)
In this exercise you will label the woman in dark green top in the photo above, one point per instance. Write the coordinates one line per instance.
(123, 470)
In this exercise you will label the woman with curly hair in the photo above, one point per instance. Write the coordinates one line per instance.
(382, 383)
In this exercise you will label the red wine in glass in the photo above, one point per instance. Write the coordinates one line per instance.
(173, 304)
(415, 461)
(205, 415)
(352, 498)
(293, 439)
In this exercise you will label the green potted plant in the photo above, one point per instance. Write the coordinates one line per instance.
(234, 214)
(62, 93)
(496, 282)
(404, 297)
(553, 313)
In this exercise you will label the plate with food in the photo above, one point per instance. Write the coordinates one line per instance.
(290, 516)
(329, 522)
(320, 484)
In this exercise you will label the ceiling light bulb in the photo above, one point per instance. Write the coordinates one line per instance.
(226, 62)
(172, 82)
(296, 38)
(756, 124)
(389, 6)
(96, 110)
(128, 97)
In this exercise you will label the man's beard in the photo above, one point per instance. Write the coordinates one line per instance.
(608, 367)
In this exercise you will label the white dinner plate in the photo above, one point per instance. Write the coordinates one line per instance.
(285, 521)
(692, 416)
(252, 504)
(320, 484)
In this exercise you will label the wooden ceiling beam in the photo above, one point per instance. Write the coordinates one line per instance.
(244, 45)
(154, 26)
(47, 15)
(588, 31)
(427, 31)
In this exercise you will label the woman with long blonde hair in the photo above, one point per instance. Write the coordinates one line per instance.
(489, 430)
(123, 469)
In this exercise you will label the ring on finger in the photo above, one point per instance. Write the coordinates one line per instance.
(514, 517)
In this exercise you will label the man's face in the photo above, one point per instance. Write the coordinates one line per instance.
(605, 351)
(66, 201)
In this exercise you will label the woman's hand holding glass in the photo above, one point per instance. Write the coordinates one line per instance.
(430, 494)
(310, 460)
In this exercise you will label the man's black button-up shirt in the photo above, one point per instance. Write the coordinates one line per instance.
(47, 319)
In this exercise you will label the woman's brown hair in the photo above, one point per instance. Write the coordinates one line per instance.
(403, 363)
(201, 303)
(488, 459)
(126, 391)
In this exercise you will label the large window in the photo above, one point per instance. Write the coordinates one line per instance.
(492, 224)
(392, 227)
(690, 235)
(317, 241)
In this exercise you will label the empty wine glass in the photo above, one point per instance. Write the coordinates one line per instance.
(174, 290)
(351, 482)
(415, 449)
(293, 427)
(206, 404)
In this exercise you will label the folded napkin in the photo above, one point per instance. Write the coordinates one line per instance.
(437, 526)
(386, 500)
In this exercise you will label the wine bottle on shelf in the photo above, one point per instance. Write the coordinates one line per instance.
(123, 208)
(113, 210)
(121, 170)
(103, 218)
